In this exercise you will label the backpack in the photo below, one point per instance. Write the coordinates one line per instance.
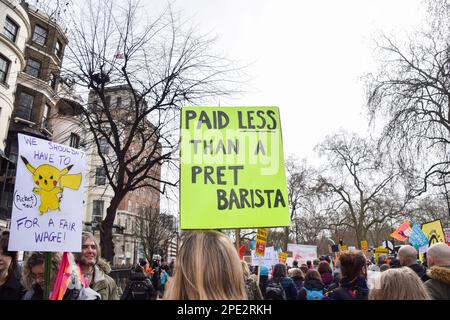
(314, 294)
(139, 290)
(275, 291)
(163, 278)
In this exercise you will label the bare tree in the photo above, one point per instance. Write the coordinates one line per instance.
(154, 231)
(305, 205)
(411, 91)
(164, 65)
(366, 186)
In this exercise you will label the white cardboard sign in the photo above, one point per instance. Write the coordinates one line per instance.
(48, 197)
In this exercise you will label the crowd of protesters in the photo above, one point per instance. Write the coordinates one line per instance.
(208, 267)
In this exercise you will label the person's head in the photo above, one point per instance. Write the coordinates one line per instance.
(34, 267)
(245, 269)
(384, 267)
(309, 264)
(382, 259)
(316, 263)
(264, 271)
(394, 263)
(296, 274)
(313, 275)
(327, 259)
(279, 270)
(8, 259)
(304, 268)
(438, 255)
(295, 264)
(324, 267)
(399, 284)
(90, 250)
(353, 265)
(138, 269)
(407, 255)
(207, 268)
(143, 262)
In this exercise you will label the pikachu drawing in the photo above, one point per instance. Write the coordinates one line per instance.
(50, 183)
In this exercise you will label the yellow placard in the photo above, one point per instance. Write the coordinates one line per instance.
(343, 248)
(261, 240)
(282, 256)
(434, 232)
(232, 168)
(364, 246)
(379, 251)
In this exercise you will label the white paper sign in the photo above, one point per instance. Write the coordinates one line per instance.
(48, 197)
(302, 253)
(270, 258)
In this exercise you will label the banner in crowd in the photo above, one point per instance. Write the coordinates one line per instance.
(418, 239)
(48, 197)
(447, 235)
(379, 251)
(364, 246)
(232, 168)
(434, 232)
(282, 256)
(261, 238)
(402, 232)
(270, 258)
(302, 253)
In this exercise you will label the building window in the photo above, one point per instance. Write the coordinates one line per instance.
(100, 176)
(74, 140)
(33, 67)
(52, 80)
(45, 114)
(10, 29)
(97, 210)
(58, 49)
(25, 105)
(4, 67)
(104, 146)
(40, 35)
(119, 101)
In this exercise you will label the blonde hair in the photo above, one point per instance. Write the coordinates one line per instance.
(207, 268)
(245, 269)
(399, 284)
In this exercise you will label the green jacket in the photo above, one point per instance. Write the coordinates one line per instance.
(439, 284)
(104, 284)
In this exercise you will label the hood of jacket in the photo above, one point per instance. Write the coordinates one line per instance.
(103, 265)
(419, 269)
(101, 268)
(441, 274)
(314, 284)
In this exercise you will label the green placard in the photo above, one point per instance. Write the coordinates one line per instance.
(232, 168)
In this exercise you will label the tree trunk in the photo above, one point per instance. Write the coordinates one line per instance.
(106, 238)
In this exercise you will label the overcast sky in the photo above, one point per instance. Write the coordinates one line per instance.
(307, 57)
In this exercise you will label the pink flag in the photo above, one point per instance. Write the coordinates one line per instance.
(67, 269)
